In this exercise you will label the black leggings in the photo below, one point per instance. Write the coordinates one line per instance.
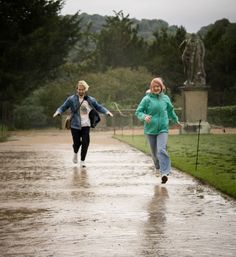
(81, 137)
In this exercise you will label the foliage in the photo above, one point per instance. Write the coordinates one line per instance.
(39, 103)
(164, 57)
(29, 115)
(216, 157)
(59, 91)
(218, 116)
(222, 116)
(35, 39)
(3, 132)
(122, 85)
(118, 44)
(83, 52)
(161, 54)
(220, 44)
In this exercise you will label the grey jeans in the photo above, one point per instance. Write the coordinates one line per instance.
(159, 153)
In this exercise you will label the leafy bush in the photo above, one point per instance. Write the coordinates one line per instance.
(122, 85)
(3, 132)
(29, 116)
(222, 116)
(219, 116)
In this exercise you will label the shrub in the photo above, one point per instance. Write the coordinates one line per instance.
(222, 116)
(3, 132)
(29, 116)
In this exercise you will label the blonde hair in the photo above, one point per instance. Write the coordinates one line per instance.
(82, 83)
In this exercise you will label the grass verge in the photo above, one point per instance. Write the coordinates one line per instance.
(216, 157)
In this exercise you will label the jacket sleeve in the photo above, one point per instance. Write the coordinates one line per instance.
(141, 110)
(171, 112)
(65, 105)
(93, 102)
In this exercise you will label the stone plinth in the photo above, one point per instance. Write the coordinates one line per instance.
(195, 103)
(195, 127)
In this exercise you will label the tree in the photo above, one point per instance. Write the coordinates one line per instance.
(220, 43)
(34, 41)
(82, 54)
(164, 57)
(118, 44)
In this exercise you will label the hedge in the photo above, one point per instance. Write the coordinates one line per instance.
(222, 116)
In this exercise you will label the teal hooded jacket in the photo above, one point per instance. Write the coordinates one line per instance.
(160, 108)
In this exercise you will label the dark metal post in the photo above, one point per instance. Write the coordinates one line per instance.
(198, 138)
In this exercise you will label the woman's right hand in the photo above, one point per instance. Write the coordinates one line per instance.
(147, 118)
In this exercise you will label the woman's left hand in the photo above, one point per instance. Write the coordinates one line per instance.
(109, 114)
(179, 125)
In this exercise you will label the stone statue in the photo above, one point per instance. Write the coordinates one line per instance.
(193, 61)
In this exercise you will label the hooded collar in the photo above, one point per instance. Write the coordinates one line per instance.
(155, 95)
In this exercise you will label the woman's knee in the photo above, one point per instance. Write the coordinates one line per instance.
(162, 151)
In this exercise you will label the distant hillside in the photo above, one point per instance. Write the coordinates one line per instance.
(146, 27)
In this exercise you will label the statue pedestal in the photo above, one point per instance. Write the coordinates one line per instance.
(193, 128)
(195, 102)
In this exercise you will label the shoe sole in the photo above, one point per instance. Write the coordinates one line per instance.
(164, 179)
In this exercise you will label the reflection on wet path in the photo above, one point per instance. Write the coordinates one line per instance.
(114, 207)
(155, 225)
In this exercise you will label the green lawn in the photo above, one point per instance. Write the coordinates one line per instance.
(216, 157)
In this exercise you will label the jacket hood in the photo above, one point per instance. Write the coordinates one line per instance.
(156, 95)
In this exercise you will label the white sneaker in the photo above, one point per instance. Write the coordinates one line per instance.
(75, 158)
(157, 172)
(82, 164)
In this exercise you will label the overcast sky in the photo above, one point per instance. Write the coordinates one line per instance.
(192, 14)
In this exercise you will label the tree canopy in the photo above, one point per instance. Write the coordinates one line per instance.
(118, 44)
(41, 48)
(220, 43)
(34, 40)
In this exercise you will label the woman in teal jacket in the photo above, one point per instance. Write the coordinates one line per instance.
(155, 110)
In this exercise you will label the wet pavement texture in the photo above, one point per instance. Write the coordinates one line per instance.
(116, 207)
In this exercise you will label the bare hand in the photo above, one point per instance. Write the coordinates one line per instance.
(147, 118)
(110, 114)
(179, 125)
(56, 114)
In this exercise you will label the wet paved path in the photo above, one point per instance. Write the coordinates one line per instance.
(116, 207)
